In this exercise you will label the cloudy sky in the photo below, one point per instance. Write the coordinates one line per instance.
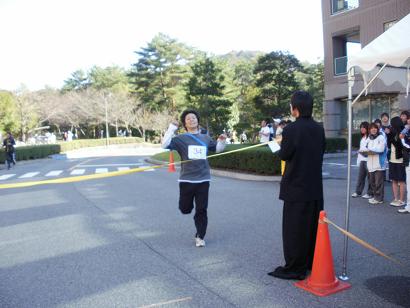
(44, 41)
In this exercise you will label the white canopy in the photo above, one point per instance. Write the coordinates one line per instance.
(391, 48)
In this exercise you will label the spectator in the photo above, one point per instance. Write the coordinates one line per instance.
(376, 163)
(244, 138)
(405, 139)
(397, 172)
(362, 164)
(8, 144)
(404, 116)
(264, 133)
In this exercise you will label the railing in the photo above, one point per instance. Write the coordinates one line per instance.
(341, 66)
(343, 5)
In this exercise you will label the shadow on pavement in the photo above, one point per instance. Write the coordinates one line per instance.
(394, 289)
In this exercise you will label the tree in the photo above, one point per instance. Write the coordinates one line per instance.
(27, 117)
(8, 112)
(311, 80)
(77, 82)
(276, 80)
(159, 74)
(205, 94)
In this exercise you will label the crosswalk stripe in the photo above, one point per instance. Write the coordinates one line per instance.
(54, 173)
(147, 169)
(101, 170)
(77, 171)
(123, 168)
(6, 176)
(29, 175)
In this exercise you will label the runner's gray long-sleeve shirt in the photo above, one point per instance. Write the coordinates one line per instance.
(192, 147)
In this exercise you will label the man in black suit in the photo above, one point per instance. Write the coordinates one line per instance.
(301, 188)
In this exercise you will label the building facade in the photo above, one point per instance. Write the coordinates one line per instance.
(348, 26)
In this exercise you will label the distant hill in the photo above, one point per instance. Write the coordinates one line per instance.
(243, 55)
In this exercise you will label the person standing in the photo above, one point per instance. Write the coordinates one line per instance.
(377, 154)
(264, 133)
(362, 164)
(397, 170)
(301, 188)
(8, 144)
(195, 175)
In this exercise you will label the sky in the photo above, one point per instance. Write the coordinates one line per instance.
(44, 41)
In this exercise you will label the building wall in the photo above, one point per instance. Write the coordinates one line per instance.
(368, 19)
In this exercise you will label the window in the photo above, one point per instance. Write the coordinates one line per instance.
(343, 5)
(370, 108)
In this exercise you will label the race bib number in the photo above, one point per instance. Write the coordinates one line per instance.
(196, 152)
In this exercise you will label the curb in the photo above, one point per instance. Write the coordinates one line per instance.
(230, 174)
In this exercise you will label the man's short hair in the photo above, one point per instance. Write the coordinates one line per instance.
(185, 113)
(303, 102)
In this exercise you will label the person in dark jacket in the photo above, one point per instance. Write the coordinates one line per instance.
(301, 188)
(397, 171)
(8, 144)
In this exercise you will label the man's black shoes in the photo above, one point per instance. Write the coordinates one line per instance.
(281, 273)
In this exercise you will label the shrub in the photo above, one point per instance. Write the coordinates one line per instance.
(258, 160)
(32, 152)
(44, 150)
(334, 145)
(84, 143)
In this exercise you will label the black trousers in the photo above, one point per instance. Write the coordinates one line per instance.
(299, 227)
(188, 192)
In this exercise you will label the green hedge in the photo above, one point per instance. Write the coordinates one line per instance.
(44, 150)
(84, 143)
(259, 160)
(334, 145)
(33, 152)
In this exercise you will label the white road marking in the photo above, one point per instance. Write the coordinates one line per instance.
(147, 169)
(111, 165)
(77, 171)
(6, 176)
(101, 170)
(54, 173)
(29, 175)
(123, 168)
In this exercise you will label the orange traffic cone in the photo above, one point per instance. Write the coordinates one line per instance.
(171, 166)
(322, 281)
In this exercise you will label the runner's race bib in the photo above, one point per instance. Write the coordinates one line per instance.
(196, 152)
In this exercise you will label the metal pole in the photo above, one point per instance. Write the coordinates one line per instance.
(350, 104)
(350, 77)
(106, 122)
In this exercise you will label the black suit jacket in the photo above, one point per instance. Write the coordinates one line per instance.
(302, 147)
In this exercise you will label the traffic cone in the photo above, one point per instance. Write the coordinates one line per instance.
(322, 281)
(171, 166)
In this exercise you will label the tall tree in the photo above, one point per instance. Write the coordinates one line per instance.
(311, 79)
(205, 92)
(8, 112)
(160, 71)
(77, 82)
(276, 80)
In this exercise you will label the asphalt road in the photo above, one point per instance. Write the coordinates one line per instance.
(121, 242)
